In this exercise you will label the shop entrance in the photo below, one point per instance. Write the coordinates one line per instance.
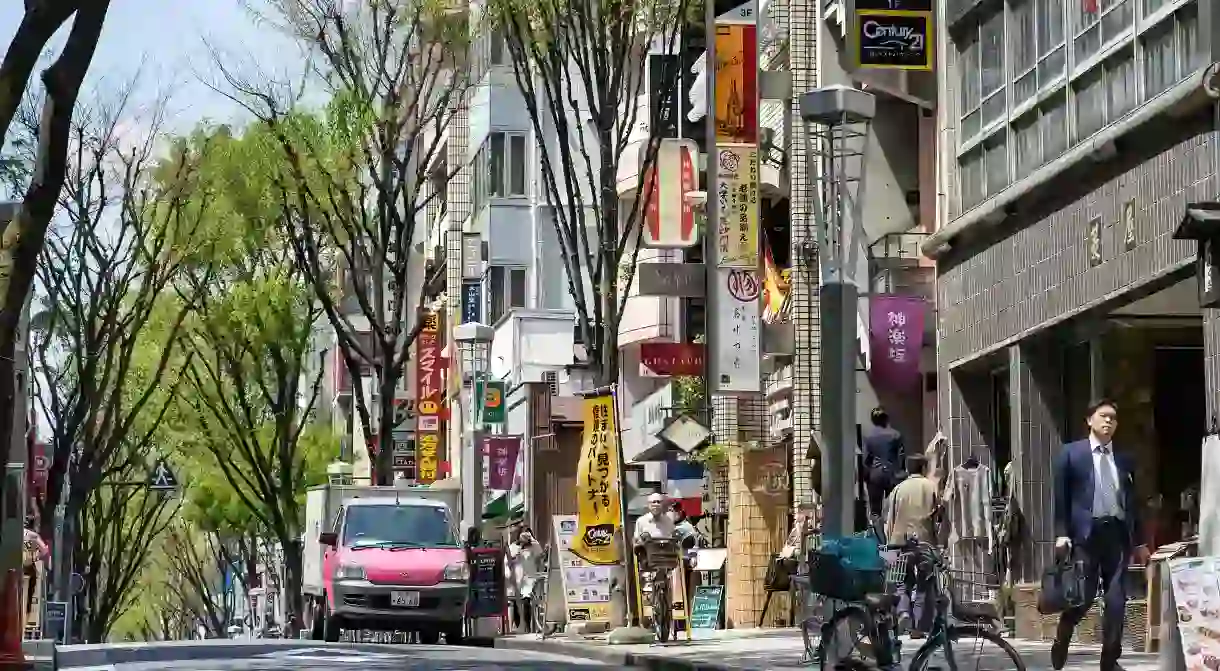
(1180, 417)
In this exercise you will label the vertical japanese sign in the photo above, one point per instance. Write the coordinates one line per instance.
(597, 490)
(737, 330)
(501, 454)
(737, 202)
(428, 385)
(736, 82)
(895, 339)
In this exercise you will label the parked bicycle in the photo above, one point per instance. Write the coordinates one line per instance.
(539, 596)
(870, 625)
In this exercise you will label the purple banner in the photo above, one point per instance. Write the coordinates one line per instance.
(895, 337)
(501, 454)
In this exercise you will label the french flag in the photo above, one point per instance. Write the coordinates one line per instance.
(684, 485)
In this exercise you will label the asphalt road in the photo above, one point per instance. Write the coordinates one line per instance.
(397, 658)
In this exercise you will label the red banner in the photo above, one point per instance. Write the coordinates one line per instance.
(895, 341)
(665, 359)
(430, 393)
(502, 454)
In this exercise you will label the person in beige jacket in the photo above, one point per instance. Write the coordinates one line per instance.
(912, 511)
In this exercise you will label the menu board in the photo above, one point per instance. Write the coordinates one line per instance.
(1196, 592)
(487, 589)
(705, 607)
(586, 587)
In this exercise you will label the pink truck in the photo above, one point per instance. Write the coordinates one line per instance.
(386, 559)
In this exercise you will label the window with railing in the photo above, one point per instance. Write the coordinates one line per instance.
(1038, 76)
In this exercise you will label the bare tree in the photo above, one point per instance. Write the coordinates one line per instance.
(580, 67)
(119, 523)
(21, 239)
(104, 339)
(361, 180)
(199, 564)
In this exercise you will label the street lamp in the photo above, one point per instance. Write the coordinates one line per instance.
(839, 118)
(473, 339)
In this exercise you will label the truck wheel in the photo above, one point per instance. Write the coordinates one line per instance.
(332, 630)
(316, 620)
(429, 637)
(455, 635)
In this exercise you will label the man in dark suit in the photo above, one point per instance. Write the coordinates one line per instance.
(884, 458)
(1097, 521)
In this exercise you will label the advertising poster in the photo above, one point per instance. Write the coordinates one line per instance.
(737, 324)
(586, 587)
(597, 480)
(428, 385)
(1196, 592)
(736, 82)
(737, 202)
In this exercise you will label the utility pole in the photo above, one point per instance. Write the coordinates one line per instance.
(473, 340)
(839, 119)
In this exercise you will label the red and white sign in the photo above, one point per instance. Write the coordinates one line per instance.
(429, 386)
(669, 216)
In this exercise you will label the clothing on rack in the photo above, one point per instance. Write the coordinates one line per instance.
(937, 456)
(968, 505)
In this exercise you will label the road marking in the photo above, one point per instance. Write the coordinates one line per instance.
(331, 655)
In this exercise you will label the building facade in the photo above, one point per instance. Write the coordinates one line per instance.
(1078, 133)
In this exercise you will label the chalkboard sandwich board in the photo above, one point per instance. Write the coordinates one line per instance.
(487, 589)
(705, 607)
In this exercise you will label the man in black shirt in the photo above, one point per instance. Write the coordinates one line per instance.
(884, 459)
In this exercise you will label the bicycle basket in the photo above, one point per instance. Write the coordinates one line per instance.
(895, 569)
(838, 577)
(661, 553)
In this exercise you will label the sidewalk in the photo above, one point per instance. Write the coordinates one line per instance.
(782, 650)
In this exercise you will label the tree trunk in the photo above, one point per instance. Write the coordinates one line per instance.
(383, 463)
(293, 585)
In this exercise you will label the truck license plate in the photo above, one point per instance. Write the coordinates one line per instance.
(404, 599)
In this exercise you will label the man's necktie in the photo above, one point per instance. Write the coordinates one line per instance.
(1109, 481)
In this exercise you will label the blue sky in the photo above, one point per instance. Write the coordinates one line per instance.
(170, 39)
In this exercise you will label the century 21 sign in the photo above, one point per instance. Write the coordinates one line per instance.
(893, 34)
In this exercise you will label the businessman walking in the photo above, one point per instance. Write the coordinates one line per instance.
(1097, 521)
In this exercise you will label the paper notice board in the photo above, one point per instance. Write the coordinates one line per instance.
(1196, 595)
(586, 587)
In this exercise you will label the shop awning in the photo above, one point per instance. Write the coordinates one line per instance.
(498, 508)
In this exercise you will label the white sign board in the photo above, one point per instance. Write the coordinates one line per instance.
(648, 416)
(737, 329)
(586, 587)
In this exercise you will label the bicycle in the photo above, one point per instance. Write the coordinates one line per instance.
(539, 595)
(955, 618)
(661, 557)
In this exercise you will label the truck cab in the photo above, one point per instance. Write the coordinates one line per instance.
(393, 564)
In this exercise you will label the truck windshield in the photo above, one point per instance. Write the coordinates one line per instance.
(398, 526)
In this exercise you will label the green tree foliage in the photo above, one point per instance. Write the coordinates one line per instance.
(252, 374)
(363, 175)
(580, 66)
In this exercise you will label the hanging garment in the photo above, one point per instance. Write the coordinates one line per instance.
(937, 456)
(968, 505)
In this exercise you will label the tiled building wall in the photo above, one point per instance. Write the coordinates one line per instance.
(803, 22)
(758, 525)
(1042, 272)
(1035, 390)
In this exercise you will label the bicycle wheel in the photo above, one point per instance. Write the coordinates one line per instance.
(539, 606)
(847, 640)
(662, 613)
(971, 649)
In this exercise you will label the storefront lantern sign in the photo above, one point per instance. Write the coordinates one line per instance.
(1202, 224)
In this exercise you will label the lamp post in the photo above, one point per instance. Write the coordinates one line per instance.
(473, 340)
(839, 119)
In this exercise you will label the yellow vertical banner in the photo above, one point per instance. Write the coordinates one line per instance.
(737, 194)
(597, 485)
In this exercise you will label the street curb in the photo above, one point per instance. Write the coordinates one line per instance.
(611, 654)
(85, 656)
